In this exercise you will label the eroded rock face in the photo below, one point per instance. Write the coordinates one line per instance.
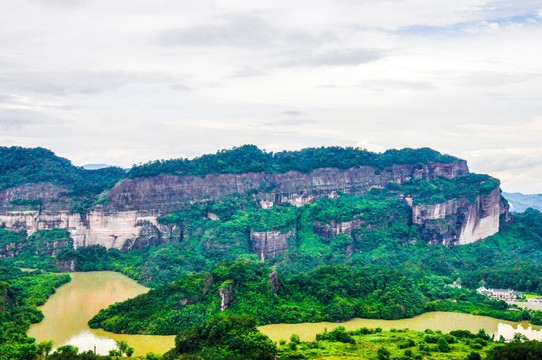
(108, 229)
(459, 221)
(129, 219)
(226, 295)
(40, 196)
(267, 244)
(164, 193)
(334, 228)
(274, 282)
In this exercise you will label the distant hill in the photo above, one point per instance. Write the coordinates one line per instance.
(95, 166)
(520, 202)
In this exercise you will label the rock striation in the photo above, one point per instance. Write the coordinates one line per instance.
(165, 193)
(121, 230)
(128, 219)
(459, 221)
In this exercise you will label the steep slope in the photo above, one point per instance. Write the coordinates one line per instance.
(447, 203)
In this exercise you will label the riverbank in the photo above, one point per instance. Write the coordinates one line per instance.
(66, 314)
(443, 321)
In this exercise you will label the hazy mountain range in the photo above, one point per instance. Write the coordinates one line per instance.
(520, 202)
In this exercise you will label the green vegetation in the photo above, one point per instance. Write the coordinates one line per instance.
(224, 337)
(248, 158)
(20, 294)
(329, 293)
(20, 166)
(407, 344)
(413, 275)
(37, 250)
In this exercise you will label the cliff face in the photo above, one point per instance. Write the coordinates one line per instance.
(165, 193)
(36, 196)
(109, 229)
(267, 244)
(459, 221)
(129, 219)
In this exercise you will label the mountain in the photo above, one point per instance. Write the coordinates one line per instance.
(95, 166)
(520, 202)
(344, 202)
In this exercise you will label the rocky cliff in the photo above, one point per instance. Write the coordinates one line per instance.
(121, 230)
(126, 216)
(165, 193)
(460, 221)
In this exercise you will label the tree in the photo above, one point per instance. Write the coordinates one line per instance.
(474, 356)
(45, 347)
(517, 351)
(123, 348)
(442, 344)
(383, 353)
(66, 352)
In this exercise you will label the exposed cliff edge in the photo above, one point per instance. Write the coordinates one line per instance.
(126, 215)
(121, 230)
(165, 193)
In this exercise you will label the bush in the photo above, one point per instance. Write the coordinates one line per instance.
(442, 345)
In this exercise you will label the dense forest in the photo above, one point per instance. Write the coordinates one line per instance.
(329, 293)
(20, 294)
(20, 166)
(416, 278)
(249, 158)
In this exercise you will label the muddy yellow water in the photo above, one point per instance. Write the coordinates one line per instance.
(443, 321)
(68, 311)
(75, 303)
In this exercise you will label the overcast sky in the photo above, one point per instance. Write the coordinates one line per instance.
(123, 82)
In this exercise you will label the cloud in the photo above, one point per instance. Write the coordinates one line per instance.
(4, 99)
(328, 86)
(396, 84)
(251, 31)
(293, 113)
(181, 87)
(292, 122)
(67, 4)
(247, 72)
(493, 79)
(16, 119)
(341, 57)
(79, 81)
(505, 159)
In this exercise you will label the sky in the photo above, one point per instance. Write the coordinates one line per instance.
(127, 81)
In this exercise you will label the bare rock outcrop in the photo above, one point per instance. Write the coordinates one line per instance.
(267, 244)
(334, 228)
(108, 229)
(226, 294)
(165, 193)
(274, 281)
(128, 219)
(459, 221)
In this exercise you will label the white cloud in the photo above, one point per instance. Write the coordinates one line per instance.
(98, 82)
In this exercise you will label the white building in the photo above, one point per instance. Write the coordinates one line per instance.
(500, 294)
